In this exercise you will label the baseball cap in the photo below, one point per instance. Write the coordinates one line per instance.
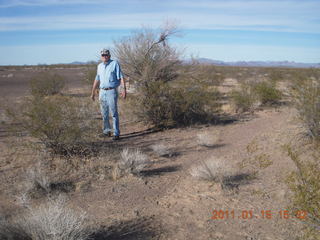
(105, 52)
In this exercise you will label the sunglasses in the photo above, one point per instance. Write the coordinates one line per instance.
(105, 55)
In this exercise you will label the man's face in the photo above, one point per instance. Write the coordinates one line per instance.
(105, 57)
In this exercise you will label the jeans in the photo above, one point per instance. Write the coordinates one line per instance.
(109, 102)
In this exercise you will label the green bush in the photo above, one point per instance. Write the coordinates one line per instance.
(243, 99)
(163, 105)
(276, 75)
(305, 185)
(305, 93)
(267, 93)
(62, 124)
(200, 73)
(46, 84)
(90, 75)
(251, 92)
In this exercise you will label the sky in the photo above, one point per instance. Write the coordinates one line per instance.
(63, 31)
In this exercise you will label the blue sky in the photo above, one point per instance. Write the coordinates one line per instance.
(63, 31)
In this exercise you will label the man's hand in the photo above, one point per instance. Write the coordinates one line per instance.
(94, 87)
(92, 96)
(123, 93)
(123, 89)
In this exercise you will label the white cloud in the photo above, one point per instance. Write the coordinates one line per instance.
(270, 6)
(134, 20)
(286, 15)
(93, 21)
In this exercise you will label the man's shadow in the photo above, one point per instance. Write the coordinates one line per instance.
(140, 133)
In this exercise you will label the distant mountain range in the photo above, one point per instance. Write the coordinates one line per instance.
(257, 63)
(240, 63)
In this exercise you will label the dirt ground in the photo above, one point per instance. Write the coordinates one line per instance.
(166, 202)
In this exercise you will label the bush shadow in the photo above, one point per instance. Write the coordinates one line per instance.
(214, 146)
(232, 182)
(64, 186)
(53, 188)
(134, 229)
(160, 171)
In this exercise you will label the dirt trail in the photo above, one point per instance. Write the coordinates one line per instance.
(193, 202)
(184, 205)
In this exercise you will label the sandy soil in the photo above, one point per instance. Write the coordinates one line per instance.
(166, 202)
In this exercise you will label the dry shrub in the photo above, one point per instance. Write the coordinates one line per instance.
(132, 161)
(305, 92)
(46, 84)
(146, 56)
(49, 221)
(61, 123)
(152, 65)
(305, 185)
(149, 62)
(256, 159)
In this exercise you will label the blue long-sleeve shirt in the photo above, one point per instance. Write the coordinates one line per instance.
(109, 74)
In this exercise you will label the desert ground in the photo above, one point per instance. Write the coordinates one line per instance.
(165, 201)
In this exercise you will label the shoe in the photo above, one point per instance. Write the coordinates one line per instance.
(109, 134)
(115, 138)
(105, 134)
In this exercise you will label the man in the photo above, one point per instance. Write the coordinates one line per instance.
(109, 77)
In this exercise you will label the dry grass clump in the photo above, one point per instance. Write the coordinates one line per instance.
(46, 84)
(132, 161)
(41, 181)
(3, 118)
(223, 173)
(211, 170)
(38, 179)
(208, 139)
(162, 150)
(52, 220)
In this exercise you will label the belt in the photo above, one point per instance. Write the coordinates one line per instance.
(108, 88)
